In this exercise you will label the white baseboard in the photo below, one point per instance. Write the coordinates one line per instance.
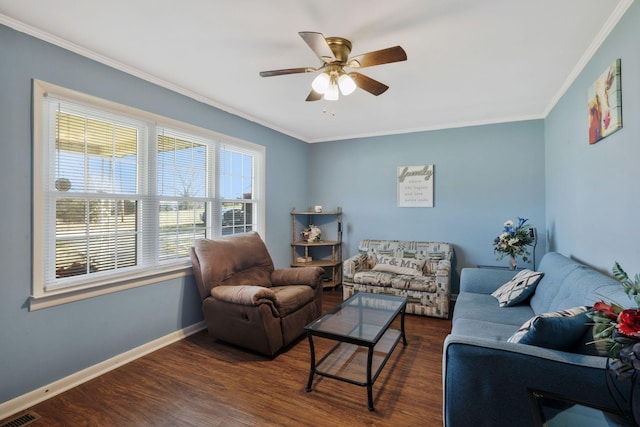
(20, 403)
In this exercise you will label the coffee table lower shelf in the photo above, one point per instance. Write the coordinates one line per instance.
(355, 364)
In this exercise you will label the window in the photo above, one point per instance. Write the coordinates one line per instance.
(236, 191)
(121, 195)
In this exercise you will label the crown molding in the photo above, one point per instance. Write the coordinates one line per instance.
(602, 35)
(87, 53)
(604, 32)
(444, 126)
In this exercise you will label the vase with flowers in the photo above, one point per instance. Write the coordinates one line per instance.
(619, 329)
(514, 241)
(311, 233)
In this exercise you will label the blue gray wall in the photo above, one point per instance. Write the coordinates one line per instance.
(37, 348)
(483, 176)
(544, 170)
(592, 191)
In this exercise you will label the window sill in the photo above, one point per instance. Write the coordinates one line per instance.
(64, 296)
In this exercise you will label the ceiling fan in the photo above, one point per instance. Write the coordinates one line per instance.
(334, 54)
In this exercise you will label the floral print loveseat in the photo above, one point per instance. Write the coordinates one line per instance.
(420, 271)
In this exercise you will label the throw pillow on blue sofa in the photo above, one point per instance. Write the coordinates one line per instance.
(517, 289)
(560, 330)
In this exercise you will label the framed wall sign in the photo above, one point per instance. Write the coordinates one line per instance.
(415, 186)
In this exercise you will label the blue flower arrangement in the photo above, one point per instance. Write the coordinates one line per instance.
(514, 240)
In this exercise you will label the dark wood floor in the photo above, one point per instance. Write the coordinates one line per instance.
(202, 382)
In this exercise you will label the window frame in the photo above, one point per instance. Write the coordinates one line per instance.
(160, 270)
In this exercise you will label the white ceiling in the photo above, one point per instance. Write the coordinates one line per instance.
(469, 61)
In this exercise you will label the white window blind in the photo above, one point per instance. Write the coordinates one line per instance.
(124, 193)
(237, 191)
(185, 189)
(94, 193)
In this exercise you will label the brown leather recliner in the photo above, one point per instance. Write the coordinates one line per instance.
(246, 301)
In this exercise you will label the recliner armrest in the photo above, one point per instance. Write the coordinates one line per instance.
(309, 276)
(245, 295)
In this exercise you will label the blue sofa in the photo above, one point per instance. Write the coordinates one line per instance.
(486, 378)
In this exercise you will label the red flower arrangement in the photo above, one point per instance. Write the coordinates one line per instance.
(620, 327)
(629, 323)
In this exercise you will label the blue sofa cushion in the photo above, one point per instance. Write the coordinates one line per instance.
(485, 307)
(556, 269)
(559, 330)
(518, 289)
(483, 329)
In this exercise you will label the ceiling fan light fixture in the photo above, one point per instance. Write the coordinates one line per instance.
(332, 92)
(321, 83)
(334, 53)
(346, 84)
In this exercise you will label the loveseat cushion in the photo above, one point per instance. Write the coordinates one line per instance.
(415, 283)
(396, 281)
(370, 277)
(407, 266)
(432, 262)
(559, 330)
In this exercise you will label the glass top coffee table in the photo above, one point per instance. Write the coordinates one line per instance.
(360, 326)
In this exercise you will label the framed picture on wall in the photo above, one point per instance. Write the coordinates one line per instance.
(605, 104)
(415, 186)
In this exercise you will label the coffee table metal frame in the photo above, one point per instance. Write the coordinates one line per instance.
(362, 320)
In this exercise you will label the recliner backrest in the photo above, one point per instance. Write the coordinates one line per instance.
(240, 259)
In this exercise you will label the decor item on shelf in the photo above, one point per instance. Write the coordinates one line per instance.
(312, 233)
(619, 329)
(311, 246)
(317, 209)
(514, 241)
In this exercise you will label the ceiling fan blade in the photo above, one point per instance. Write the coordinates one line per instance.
(314, 96)
(372, 86)
(286, 71)
(318, 45)
(383, 56)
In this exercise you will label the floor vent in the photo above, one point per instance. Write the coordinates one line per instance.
(22, 420)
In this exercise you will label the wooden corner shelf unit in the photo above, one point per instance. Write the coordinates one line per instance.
(329, 251)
